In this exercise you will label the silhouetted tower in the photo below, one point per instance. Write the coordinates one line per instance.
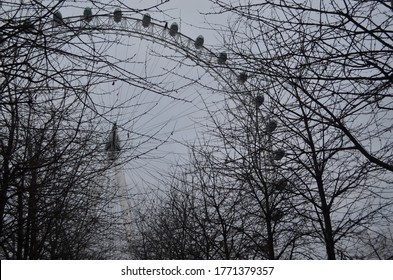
(122, 208)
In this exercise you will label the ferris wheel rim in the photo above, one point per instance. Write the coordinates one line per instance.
(192, 49)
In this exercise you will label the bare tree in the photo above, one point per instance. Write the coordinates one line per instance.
(323, 69)
(196, 220)
(53, 197)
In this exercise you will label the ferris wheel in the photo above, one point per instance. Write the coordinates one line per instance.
(154, 87)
